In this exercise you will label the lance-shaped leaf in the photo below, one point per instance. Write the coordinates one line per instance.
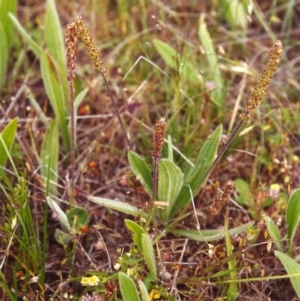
(194, 180)
(128, 289)
(292, 216)
(170, 182)
(141, 170)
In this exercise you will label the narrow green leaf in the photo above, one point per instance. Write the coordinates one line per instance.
(115, 205)
(148, 253)
(169, 184)
(243, 189)
(55, 40)
(204, 160)
(8, 137)
(274, 232)
(79, 98)
(143, 290)
(3, 55)
(49, 157)
(36, 106)
(128, 289)
(60, 214)
(168, 53)
(172, 58)
(211, 235)
(293, 269)
(232, 290)
(218, 94)
(54, 88)
(235, 12)
(194, 178)
(292, 216)
(37, 50)
(136, 232)
(141, 170)
(7, 7)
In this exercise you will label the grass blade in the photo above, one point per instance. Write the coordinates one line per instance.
(8, 137)
(232, 290)
(52, 81)
(218, 94)
(3, 55)
(7, 7)
(37, 50)
(49, 157)
(55, 41)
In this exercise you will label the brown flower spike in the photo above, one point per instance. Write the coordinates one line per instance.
(157, 145)
(264, 81)
(78, 28)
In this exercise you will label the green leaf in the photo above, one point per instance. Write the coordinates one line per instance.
(49, 157)
(245, 197)
(36, 106)
(292, 216)
(169, 185)
(55, 41)
(211, 235)
(54, 88)
(235, 12)
(78, 217)
(3, 55)
(168, 53)
(194, 177)
(293, 269)
(141, 170)
(143, 290)
(128, 289)
(7, 7)
(148, 253)
(37, 50)
(172, 58)
(62, 237)
(136, 232)
(8, 137)
(274, 232)
(232, 290)
(60, 214)
(116, 205)
(218, 94)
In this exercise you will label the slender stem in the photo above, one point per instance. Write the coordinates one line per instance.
(72, 121)
(115, 107)
(225, 147)
(155, 177)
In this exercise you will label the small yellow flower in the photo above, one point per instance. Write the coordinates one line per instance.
(130, 271)
(154, 295)
(90, 281)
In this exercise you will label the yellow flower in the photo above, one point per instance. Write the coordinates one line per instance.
(154, 295)
(130, 271)
(90, 281)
